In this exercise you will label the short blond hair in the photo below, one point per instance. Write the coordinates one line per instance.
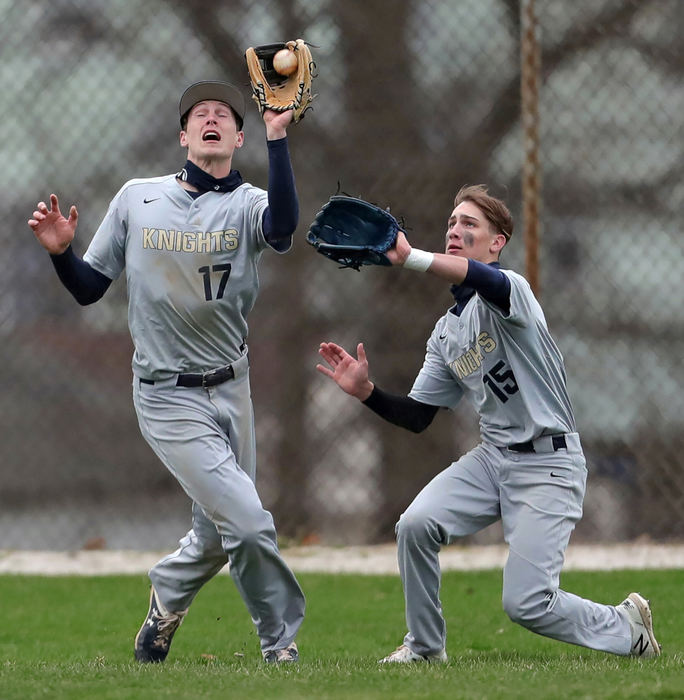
(495, 210)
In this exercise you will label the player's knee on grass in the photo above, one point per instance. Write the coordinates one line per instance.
(528, 591)
(528, 608)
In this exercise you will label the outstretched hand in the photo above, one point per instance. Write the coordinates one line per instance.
(276, 123)
(398, 253)
(350, 374)
(53, 231)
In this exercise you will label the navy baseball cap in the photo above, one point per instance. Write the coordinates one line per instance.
(213, 90)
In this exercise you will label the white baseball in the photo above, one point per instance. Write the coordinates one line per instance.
(285, 62)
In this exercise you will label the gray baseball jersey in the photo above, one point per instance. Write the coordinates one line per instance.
(191, 271)
(506, 365)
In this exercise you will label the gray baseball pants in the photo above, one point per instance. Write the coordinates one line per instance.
(205, 437)
(538, 497)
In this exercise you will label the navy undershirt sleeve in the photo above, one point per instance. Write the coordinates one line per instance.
(490, 283)
(282, 214)
(86, 284)
(401, 410)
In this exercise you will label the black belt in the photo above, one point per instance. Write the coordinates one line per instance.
(205, 379)
(558, 442)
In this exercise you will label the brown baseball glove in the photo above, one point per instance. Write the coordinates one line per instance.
(275, 90)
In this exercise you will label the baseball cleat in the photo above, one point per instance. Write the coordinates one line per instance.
(637, 611)
(404, 655)
(288, 655)
(154, 638)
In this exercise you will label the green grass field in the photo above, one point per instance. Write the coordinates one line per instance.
(71, 637)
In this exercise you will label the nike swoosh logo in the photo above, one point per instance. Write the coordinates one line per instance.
(147, 201)
(556, 476)
(442, 337)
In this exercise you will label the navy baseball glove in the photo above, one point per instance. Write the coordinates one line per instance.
(353, 232)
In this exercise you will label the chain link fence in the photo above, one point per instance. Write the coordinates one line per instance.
(414, 100)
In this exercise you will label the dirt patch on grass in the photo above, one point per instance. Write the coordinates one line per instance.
(376, 559)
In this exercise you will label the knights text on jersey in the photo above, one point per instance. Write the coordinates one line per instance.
(191, 271)
(507, 366)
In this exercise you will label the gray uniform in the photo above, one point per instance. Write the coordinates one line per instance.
(509, 368)
(191, 271)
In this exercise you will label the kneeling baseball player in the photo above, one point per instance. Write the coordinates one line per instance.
(493, 347)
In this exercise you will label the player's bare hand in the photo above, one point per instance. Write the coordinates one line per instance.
(350, 374)
(276, 123)
(53, 231)
(400, 251)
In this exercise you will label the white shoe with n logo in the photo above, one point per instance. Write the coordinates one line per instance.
(637, 611)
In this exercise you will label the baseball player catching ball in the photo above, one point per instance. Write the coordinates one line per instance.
(190, 243)
(493, 347)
